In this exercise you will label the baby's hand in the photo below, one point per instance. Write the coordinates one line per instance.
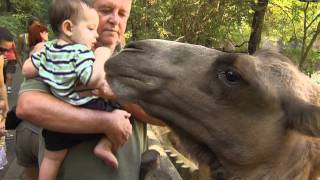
(104, 91)
(102, 53)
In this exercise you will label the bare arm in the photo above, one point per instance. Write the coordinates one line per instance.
(51, 113)
(4, 97)
(97, 78)
(28, 69)
(3, 89)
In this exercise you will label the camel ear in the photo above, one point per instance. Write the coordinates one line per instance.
(303, 117)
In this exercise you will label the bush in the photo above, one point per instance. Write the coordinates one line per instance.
(13, 24)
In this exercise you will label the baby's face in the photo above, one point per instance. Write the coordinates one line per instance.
(84, 31)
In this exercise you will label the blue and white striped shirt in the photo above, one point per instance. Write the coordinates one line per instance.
(63, 67)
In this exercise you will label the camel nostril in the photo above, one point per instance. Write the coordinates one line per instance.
(133, 47)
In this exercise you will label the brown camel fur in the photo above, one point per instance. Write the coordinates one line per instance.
(246, 117)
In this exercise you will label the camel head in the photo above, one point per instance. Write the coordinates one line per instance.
(236, 108)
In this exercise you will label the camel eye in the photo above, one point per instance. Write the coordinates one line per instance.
(232, 76)
(229, 76)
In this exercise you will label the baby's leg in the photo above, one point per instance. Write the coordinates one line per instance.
(51, 163)
(103, 151)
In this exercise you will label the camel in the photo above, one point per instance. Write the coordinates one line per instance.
(245, 117)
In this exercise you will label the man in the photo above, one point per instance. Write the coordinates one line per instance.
(41, 108)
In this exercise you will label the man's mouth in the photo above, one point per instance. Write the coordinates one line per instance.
(111, 30)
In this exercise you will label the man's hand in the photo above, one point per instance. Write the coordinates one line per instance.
(119, 128)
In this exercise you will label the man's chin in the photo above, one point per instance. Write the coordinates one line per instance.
(108, 38)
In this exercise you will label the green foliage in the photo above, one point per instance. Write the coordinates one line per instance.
(208, 23)
(214, 23)
(205, 22)
(12, 23)
(285, 22)
(29, 8)
(21, 11)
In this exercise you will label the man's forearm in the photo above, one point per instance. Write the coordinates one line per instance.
(44, 109)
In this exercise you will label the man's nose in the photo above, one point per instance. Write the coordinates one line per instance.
(114, 18)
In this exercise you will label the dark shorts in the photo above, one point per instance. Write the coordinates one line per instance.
(58, 141)
(10, 67)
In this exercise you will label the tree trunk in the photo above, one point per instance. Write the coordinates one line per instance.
(8, 5)
(257, 25)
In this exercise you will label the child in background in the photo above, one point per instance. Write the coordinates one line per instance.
(69, 67)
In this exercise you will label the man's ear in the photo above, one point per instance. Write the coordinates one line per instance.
(303, 116)
(67, 27)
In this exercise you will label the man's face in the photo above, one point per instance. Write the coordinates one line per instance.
(5, 46)
(113, 17)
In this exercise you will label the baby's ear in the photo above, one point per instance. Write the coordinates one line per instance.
(66, 27)
(303, 117)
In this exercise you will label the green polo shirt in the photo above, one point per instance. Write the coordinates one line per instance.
(82, 164)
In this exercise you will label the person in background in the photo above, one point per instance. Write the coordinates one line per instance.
(6, 42)
(11, 58)
(38, 36)
(23, 48)
(27, 134)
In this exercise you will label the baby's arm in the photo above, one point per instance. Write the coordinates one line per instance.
(28, 69)
(97, 79)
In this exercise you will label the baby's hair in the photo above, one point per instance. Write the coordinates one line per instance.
(61, 10)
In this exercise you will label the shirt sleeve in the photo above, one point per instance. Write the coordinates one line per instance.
(33, 84)
(36, 59)
(84, 63)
